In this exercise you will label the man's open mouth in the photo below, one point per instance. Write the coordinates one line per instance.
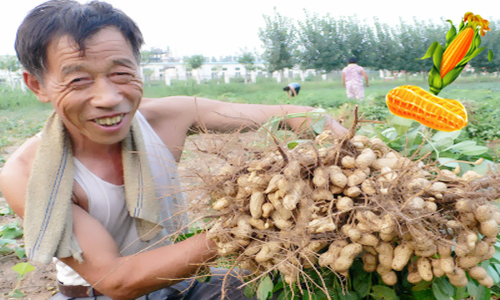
(109, 121)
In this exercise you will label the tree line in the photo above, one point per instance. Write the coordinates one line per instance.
(325, 43)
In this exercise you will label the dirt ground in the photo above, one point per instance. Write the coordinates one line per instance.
(41, 283)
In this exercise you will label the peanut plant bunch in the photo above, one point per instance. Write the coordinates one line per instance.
(328, 201)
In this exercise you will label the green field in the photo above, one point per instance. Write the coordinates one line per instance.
(21, 115)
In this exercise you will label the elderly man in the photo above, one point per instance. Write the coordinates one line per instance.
(82, 184)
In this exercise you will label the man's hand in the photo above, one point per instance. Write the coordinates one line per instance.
(129, 277)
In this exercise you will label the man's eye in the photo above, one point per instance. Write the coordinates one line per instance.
(122, 77)
(80, 81)
(123, 74)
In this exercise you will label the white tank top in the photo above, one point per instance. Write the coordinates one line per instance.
(107, 202)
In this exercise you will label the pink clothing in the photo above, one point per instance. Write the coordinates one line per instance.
(354, 81)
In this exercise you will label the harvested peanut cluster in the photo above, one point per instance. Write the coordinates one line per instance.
(329, 201)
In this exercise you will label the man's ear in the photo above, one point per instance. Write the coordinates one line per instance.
(35, 86)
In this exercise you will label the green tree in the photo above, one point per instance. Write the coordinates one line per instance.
(320, 46)
(146, 56)
(413, 41)
(247, 59)
(11, 64)
(195, 62)
(279, 39)
(385, 47)
(327, 43)
(357, 40)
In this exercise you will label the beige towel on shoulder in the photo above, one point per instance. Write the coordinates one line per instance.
(48, 226)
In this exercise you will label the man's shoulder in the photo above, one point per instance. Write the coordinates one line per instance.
(24, 156)
(16, 172)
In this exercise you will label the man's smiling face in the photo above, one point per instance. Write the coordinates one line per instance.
(98, 94)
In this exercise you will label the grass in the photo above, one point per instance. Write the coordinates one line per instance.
(317, 93)
(22, 115)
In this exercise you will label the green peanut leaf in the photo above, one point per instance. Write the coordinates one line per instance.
(460, 293)
(319, 125)
(475, 150)
(484, 168)
(279, 285)
(4, 242)
(381, 292)
(448, 162)
(265, 289)
(423, 295)
(11, 230)
(441, 135)
(249, 291)
(490, 55)
(461, 146)
(493, 274)
(438, 294)
(472, 287)
(16, 294)
(422, 286)
(445, 286)
(20, 252)
(430, 51)
(23, 268)
(5, 250)
(442, 289)
(483, 293)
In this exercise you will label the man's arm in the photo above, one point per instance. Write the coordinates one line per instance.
(221, 116)
(343, 79)
(113, 275)
(132, 276)
(363, 72)
(293, 91)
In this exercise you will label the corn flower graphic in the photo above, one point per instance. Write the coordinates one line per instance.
(460, 48)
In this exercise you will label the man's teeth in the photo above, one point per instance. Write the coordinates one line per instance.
(109, 121)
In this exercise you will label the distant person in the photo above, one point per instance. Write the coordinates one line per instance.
(292, 89)
(352, 77)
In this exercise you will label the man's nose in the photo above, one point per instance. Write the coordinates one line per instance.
(106, 94)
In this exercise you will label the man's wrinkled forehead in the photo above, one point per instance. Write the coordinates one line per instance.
(67, 45)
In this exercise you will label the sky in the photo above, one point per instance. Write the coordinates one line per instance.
(226, 27)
